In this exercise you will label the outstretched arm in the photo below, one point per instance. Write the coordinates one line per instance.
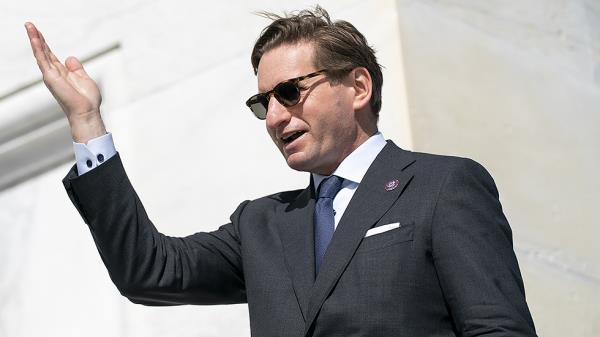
(146, 266)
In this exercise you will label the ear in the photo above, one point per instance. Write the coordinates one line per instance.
(363, 87)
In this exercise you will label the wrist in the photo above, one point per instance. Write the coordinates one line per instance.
(85, 127)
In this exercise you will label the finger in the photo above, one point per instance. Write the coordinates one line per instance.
(75, 66)
(36, 46)
(46, 47)
(47, 50)
(41, 45)
(54, 61)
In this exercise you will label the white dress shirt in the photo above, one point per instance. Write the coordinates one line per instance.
(352, 169)
(95, 152)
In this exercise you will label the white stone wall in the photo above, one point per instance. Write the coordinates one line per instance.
(516, 86)
(174, 77)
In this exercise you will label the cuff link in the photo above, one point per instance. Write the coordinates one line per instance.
(100, 158)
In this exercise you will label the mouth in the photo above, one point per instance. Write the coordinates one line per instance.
(288, 138)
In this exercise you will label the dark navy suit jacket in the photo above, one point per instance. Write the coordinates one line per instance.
(449, 269)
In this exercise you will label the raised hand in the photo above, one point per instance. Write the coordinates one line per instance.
(76, 93)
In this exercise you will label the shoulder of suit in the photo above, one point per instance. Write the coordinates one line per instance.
(284, 197)
(438, 164)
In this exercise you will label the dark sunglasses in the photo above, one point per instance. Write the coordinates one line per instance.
(287, 93)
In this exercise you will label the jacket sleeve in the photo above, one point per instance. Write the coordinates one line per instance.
(146, 266)
(474, 258)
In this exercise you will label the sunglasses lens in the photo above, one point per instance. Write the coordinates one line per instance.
(287, 94)
(258, 105)
(259, 109)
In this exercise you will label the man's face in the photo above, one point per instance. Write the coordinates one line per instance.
(316, 134)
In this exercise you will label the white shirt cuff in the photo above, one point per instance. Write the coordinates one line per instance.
(94, 153)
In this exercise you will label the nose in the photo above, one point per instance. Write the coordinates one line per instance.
(277, 114)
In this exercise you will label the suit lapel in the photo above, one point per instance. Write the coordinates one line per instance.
(369, 203)
(296, 231)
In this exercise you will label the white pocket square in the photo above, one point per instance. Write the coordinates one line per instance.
(381, 229)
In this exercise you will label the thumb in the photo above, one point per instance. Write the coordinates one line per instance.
(73, 65)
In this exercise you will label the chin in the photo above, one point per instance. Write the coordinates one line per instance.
(299, 164)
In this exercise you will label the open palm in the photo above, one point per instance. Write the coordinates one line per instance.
(75, 91)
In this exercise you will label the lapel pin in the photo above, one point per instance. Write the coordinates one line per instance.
(391, 185)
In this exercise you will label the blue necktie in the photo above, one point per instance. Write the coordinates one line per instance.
(324, 217)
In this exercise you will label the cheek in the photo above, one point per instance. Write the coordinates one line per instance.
(330, 115)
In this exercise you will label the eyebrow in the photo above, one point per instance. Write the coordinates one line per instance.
(300, 78)
(261, 91)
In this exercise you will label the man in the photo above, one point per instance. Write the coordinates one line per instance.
(383, 242)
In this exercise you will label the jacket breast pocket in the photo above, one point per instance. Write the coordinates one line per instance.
(404, 233)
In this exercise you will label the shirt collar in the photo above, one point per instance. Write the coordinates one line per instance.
(355, 165)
